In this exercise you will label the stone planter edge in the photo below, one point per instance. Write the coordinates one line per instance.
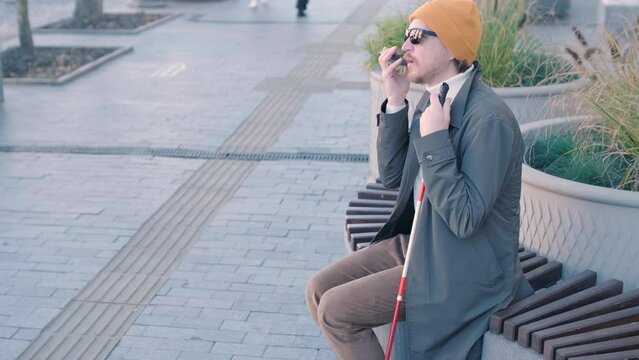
(570, 188)
(75, 73)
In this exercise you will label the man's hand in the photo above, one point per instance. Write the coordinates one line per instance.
(436, 117)
(395, 85)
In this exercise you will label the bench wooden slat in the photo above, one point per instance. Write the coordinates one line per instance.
(615, 303)
(587, 296)
(545, 275)
(372, 203)
(533, 263)
(621, 331)
(525, 255)
(630, 354)
(628, 343)
(576, 283)
(378, 186)
(361, 238)
(595, 323)
(366, 219)
(363, 228)
(377, 194)
(368, 211)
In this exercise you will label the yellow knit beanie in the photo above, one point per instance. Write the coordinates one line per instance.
(456, 23)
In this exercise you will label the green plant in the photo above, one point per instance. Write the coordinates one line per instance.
(561, 155)
(607, 146)
(389, 32)
(508, 55)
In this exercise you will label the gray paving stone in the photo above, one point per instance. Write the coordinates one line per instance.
(9, 300)
(288, 352)
(14, 310)
(36, 319)
(163, 310)
(152, 343)
(224, 314)
(286, 264)
(270, 280)
(26, 334)
(262, 289)
(210, 303)
(315, 342)
(297, 329)
(238, 349)
(259, 270)
(7, 332)
(272, 318)
(256, 306)
(190, 355)
(168, 332)
(208, 285)
(64, 294)
(236, 295)
(42, 302)
(233, 260)
(295, 309)
(197, 323)
(145, 354)
(150, 320)
(137, 330)
(269, 339)
(245, 326)
(282, 298)
(12, 348)
(169, 300)
(190, 293)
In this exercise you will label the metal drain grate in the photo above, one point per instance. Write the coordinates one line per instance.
(187, 153)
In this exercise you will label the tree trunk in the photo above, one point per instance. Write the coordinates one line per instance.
(24, 27)
(85, 9)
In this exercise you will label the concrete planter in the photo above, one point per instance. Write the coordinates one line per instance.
(527, 103)
(582, 226)
(551, 8)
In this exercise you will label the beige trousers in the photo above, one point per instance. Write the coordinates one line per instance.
(355, 294)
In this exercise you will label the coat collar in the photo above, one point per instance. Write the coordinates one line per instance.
(459, 105)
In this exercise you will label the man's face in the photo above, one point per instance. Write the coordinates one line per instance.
(427, 59)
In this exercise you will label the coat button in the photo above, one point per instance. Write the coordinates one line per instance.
(429, 157)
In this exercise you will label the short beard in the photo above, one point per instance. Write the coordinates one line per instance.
(418, 80)
(421, 80)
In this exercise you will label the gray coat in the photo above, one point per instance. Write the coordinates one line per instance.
(464, 264)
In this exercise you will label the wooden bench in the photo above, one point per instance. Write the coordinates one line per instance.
(574, 318)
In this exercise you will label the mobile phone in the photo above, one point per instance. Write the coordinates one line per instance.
(396, 56)
(443, 91)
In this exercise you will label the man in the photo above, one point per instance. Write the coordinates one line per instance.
(301, 8)
(468, 153)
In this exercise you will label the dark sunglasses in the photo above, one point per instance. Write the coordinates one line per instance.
(416, 35)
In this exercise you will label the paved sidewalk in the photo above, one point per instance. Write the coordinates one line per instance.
(222, 249)
(123, 256)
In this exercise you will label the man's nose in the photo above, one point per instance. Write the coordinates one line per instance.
(407, 46)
